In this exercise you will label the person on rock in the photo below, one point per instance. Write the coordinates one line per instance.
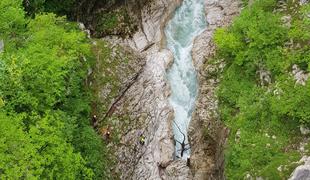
(142, 140)
(95, 121)
(188, 161)
(106, 132)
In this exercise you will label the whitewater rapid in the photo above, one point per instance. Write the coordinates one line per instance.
(187, 22)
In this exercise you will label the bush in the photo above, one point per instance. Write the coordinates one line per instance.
(267, 114)
(45, 107)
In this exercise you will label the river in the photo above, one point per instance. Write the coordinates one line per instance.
(187, 22)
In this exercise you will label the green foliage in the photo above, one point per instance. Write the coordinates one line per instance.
(102, 17)
(56, 55)
(267, 115)
(106, 73)
(1, 103)
(12, 22)
(15, 148)
(253, 39)
(60, 7)
(42, 152)
(96, 155)
(109, 21)
(114, 22)
(293, 103)
(45, 107)
(11, 16)
(301, 25)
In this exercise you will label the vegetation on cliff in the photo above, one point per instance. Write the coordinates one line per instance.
(101, 17)
(264, 92)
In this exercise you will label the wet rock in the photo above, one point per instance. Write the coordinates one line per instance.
(215, 16)
(140, 40)
(149, 94)
(305, 160)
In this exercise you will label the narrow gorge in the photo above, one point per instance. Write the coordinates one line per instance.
(187, 22)
(174, 65)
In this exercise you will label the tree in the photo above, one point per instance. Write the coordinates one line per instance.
(44, 105)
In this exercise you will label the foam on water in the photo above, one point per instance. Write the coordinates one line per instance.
(188, 22)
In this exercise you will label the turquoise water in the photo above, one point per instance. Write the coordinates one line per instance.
(188, 22)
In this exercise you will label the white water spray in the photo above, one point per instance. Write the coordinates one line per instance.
(188, 22)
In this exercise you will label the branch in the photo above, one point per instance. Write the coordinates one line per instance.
(180, 132)
(178, 141)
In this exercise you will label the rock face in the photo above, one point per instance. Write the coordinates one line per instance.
(302, 172)
(146, 102)
(207, 134)
(153, 19)
(178, 170)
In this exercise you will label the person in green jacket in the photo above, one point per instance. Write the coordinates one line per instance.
(142, 139)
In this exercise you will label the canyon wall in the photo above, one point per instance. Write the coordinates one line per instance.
(148, 112)
(207, 134)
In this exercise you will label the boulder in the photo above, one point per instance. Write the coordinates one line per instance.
(301, 173)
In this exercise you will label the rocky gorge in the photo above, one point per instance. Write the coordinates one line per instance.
(141, 105)
(146, 103)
